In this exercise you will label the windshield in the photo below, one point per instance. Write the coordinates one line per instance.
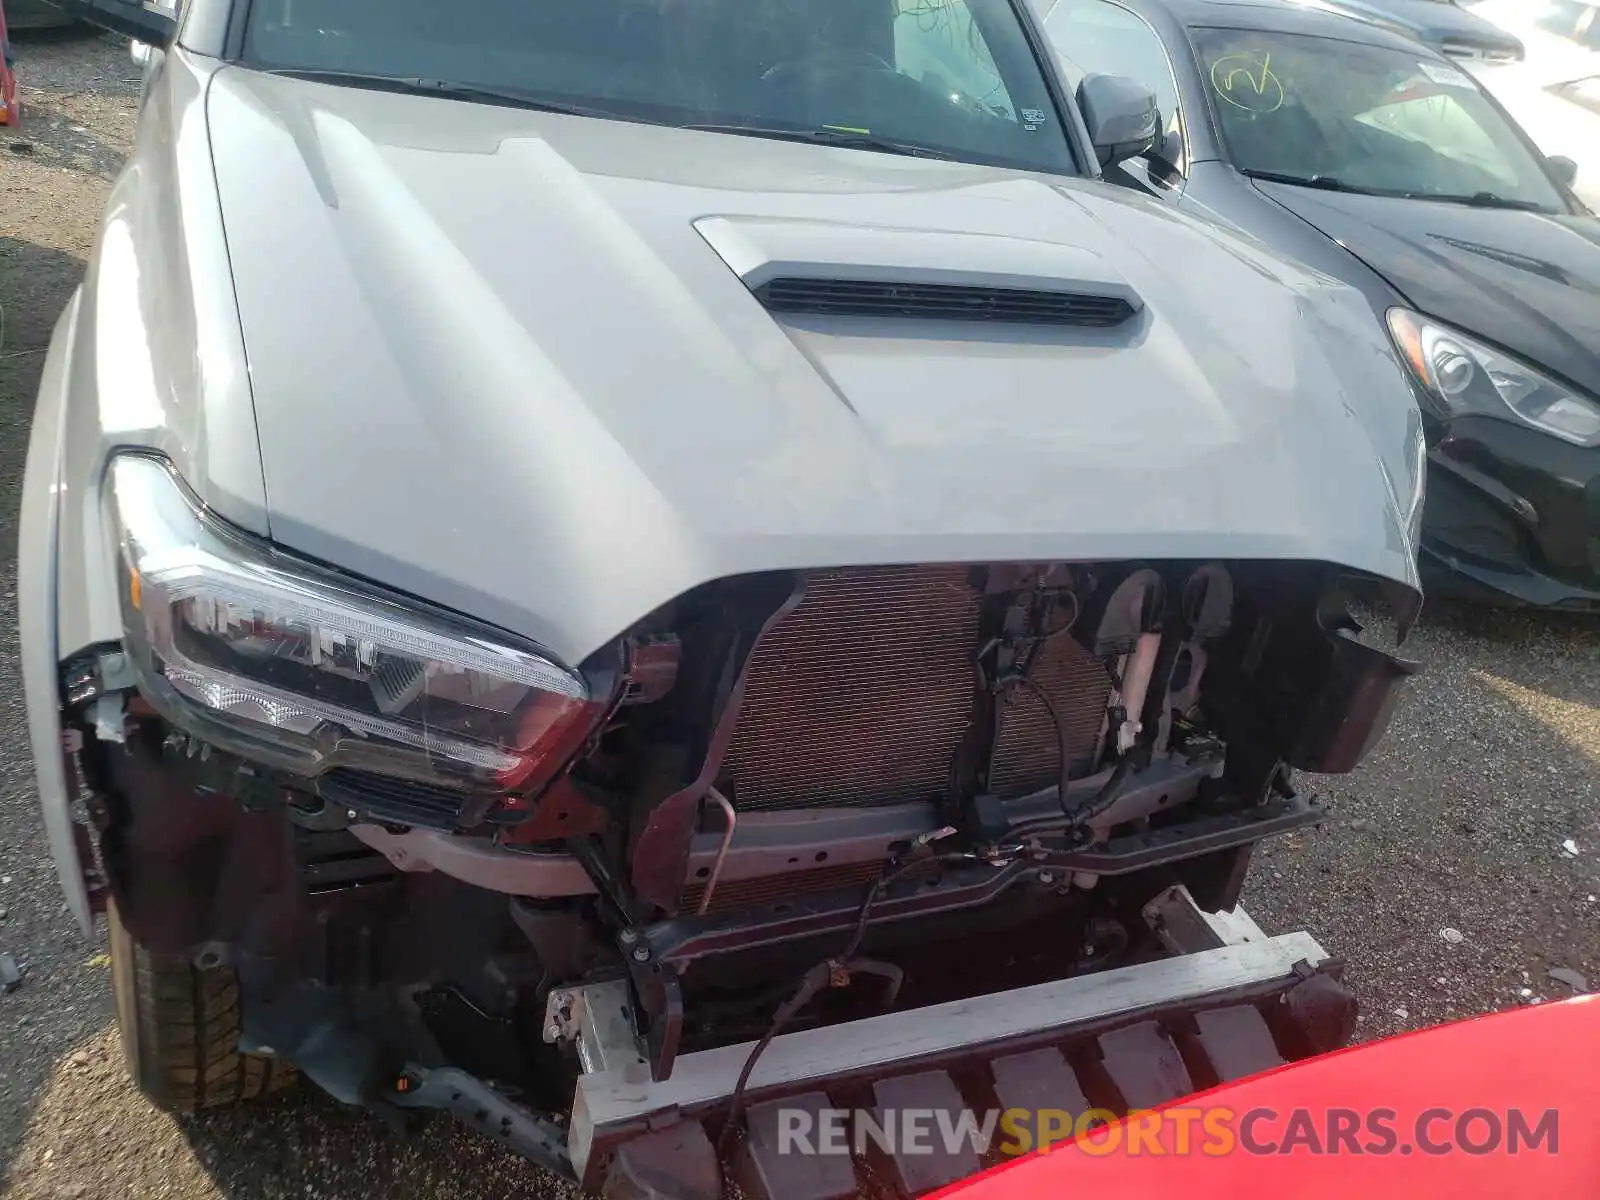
(953, 77)
(1364, 118)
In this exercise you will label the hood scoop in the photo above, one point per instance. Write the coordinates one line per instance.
(805, 267)
(941, 302)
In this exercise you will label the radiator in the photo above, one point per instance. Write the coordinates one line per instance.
(861, 696)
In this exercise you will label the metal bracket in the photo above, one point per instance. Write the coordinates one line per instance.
(598, 1019)
(473, 1102)
(661, 1000)
(110, 721)
(1185, 928)
(108, 671)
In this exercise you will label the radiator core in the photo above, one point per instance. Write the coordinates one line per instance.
(862, 693)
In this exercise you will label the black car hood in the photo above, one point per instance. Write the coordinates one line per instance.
(1526, 281)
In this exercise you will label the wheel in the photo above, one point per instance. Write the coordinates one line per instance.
(180, 1029)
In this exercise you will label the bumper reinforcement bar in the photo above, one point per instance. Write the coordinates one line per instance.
(1241, 1001)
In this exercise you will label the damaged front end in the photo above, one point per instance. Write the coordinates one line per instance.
(451, 873)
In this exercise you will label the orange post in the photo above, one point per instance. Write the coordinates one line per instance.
(10, 114)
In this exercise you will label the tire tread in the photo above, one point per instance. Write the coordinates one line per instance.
(181, 1030)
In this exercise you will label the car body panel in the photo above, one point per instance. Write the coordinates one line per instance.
(1497, 493)
(146, 354)
(421, 434)
(1527, 281)
(1441, 25)
(1550, 30)
(37, 592)
(1493, 1104)
(495, 285)
(1221, 194)
(160, 362)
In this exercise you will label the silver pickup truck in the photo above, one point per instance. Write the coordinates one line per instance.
(566, 546)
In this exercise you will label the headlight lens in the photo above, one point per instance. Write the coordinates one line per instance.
(284, 664)
(1465, 376)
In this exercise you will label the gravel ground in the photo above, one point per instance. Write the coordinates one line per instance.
(1440, 875)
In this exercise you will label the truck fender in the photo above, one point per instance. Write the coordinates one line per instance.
(37, 574)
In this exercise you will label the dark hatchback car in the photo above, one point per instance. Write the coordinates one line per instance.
(1368, 156)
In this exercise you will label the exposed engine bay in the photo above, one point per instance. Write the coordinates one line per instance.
(975, 774)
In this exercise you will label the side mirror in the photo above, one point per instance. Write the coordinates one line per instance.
(140, 21)
(1121, 115)
(1564, 169)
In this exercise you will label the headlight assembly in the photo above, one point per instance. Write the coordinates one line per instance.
(1462, 375)
(298, 668)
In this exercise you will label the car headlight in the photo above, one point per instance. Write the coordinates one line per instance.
(1462, 375)
(286, 664)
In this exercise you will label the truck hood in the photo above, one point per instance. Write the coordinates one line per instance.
(1525, 281)
(505, 361)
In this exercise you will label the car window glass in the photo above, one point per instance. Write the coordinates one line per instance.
(938, 43)
(1437, 122)
(1094, 37)
(1364, 117)
(958, 77)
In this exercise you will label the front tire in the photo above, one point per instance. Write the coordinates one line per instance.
(180, 1029)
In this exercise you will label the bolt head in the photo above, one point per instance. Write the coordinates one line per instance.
(1047, 877)
(351, 814)
(552, 1032)
(641, 954)
(628, 937)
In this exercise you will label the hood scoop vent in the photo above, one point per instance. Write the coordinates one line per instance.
(820, 268)
(941, 302)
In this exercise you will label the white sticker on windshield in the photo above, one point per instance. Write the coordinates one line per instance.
(1444, 75)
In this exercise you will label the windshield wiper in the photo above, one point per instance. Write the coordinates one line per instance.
(830, 135)
(1332, 184)
(1482, 200)
(1326, 182)
(415, 85)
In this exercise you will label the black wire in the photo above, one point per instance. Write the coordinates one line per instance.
(1063, 737)
(1100, 802)
(1023, 677)
(736, 1102)
(1150, 718)
(893, 871)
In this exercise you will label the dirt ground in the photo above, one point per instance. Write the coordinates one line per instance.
(1458, 823)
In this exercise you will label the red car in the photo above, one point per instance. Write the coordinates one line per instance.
(1501, 1106)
